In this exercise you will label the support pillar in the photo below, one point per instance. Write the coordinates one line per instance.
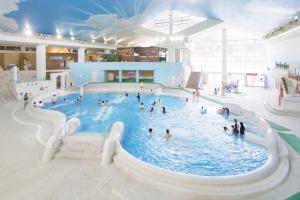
(41, 62)
(171, 54)
(15, 73)
(120, 76)
(224, 55)
(81, 55)
(63, 82)
(137, 76)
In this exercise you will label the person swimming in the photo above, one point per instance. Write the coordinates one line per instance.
(167, 134)
(164, 110)
(242, 128)
(203, 110)
(141, 106)
(225, 128)
(152, 109)
(154, 102)
(158, 101)
(186, 100)
(77, 100)
(150, 131)
(102, 103)
(138, 96)
(126, 94)
(65, 100)
(235, 126)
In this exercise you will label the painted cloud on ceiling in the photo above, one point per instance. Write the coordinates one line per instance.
(106, 17)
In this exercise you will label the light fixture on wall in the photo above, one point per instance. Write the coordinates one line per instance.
(27, 30)
(58, 34)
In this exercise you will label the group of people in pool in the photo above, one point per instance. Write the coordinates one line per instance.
(224, 111)
(103, 102)
(236, 128)
(167, 135)
(156, 102)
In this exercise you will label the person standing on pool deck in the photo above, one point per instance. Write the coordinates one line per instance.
(242, 128)
(25, 100)
(53, 99)
(138, 96)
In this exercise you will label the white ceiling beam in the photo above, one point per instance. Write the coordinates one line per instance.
(10, 38)
(208, 23)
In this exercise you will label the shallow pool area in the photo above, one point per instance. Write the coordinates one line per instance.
(198, 144)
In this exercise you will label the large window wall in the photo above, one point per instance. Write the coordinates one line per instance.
(244, 55)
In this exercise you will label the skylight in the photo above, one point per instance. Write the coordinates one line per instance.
(181, 21)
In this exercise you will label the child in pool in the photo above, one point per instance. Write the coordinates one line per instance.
(141, 106)
(167, 134)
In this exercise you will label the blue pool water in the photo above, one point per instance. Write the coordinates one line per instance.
(198, 144)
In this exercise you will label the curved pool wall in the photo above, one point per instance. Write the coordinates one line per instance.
(246, 185)
(198, 146)
(251, 184)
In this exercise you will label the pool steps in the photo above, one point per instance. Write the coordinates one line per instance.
(81, 148)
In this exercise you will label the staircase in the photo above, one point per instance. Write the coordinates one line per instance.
(81, 147)
(194, 80)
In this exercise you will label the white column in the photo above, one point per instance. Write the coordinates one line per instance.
(120, 76)
(81, 55)
(15, 74)
(63, 82)
(41, 62)
(224, 55)
(171, 54)
(81, 90)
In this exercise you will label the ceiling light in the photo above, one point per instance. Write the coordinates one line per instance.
(93, 40)
(72, 38)
(58, 36)
(27, 32)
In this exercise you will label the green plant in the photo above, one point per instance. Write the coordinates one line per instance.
(111, 57)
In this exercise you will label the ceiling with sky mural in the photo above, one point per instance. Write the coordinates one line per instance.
(106, 18)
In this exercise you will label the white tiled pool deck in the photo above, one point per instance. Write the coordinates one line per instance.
(23, 175)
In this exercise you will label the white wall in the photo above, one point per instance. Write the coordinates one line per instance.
(284, 50)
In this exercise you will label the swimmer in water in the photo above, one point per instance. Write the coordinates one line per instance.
(158, 101)
(150, 131)
(138, 96)
(153, 104)
(164, 110)
(225, 128)
(126, 94)
(167, 134)
(141, 106)
(186, 100)
(102, 103)
(152, 109)
(65, 100)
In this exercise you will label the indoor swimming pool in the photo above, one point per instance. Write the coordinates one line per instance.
(198, 145)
